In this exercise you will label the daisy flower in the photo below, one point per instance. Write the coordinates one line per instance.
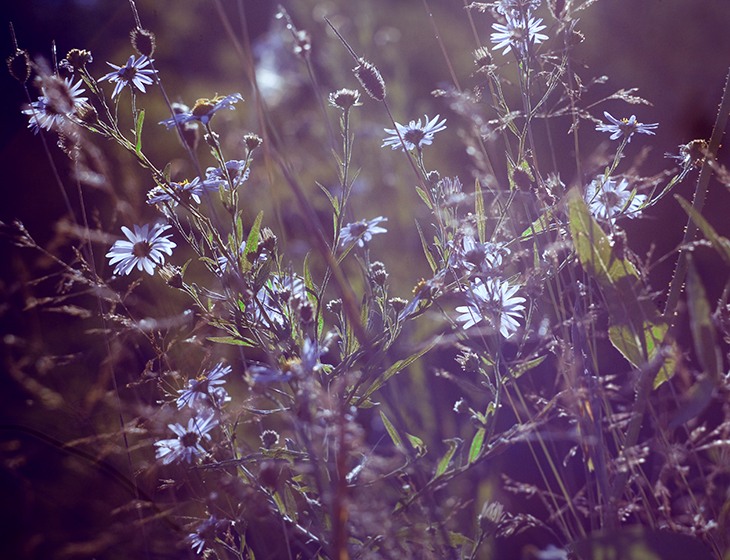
(415, 135)
(133, 73)
(203, 110)
(143, 248)
(187, 445)
(361, 232)
(493, 301)
(610, 198)
(206, 531)
(184, 191)
(272, 299)
(625, 127)
(514, 33)
(205, 389)
(60, 99)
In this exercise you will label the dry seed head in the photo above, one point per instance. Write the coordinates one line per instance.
(252, 141)
(482, 57)
(77, 59)
(370, 79)
(143, 41)
(345, 98)
(19, 65)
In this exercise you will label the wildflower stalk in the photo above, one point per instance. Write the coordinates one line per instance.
(698, 202)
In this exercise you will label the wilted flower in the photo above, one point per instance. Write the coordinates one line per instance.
(202, 391)
(515, 34)
(133, 73)
(414, 134)
(625, 127)
(493, 300)
(187, 445)
(361, 232)
(607, 199)
(203, 110)
(60, 99)
(144, 249)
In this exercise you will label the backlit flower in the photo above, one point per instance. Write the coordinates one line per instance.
(60, 99)
(204, 391)
(625, 127)
(361, 232)
(187, 445)
(414, 134)
(203, 110)
(184, 191)
(515, 34)
(610, 198)
(493, 301)
(144, 248)
(133, 73)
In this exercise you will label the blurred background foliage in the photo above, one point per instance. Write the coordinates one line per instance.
(57, 385)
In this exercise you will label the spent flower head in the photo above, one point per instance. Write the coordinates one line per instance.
(625, 127)
(186, 446)
(144, 248)
(361, 232)
(345, 99)
(609, 198)
(495, 302)
(203, 110)
(415, 135)
(133, 73)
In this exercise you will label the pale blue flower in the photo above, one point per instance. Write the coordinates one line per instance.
(514, 33)
(187, 445)
(133, 73)
(625, 127)
(493, 301)
(414, 134)
(184, 191)
(203, 110)
(144, 248)
(59, 100)
(361, 232)
(204, 390)
(609, 198)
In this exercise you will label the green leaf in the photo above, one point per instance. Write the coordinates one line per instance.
(443, 463)
(397, 367)
(640, 348)
(521, 368)
(721, 244)
(476, 445)
(138, 132)
(594, 248)
(424, 196)
(704, 335)
(426, 251)
(540, 225)
(392, 432)
(253, 238)
(479, 211)
(417, 444)
(231, 340)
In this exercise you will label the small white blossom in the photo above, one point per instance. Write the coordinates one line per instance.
(607, 199)
(415, 135)
(493, 301)
(143, 248)
(625, 127)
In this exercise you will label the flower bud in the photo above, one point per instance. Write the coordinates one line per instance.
(143, 41)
